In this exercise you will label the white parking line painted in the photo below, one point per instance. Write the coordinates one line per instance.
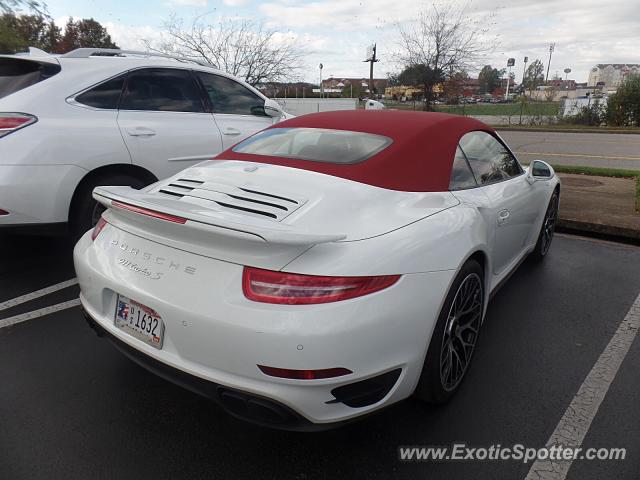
(575, 422)
(37, 294)
(23, 317)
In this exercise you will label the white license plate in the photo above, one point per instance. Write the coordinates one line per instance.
(139, 321)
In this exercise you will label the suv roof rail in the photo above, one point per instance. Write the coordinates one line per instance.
(88, 52)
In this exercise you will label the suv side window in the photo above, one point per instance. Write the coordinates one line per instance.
(229, 96)
(489, 158)
(104, 95)
(461, 175)
(161, 89)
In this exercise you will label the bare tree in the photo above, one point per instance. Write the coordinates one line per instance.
(238, 46)
(444, 40)
(37, 7)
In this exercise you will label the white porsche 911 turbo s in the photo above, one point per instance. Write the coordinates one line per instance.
(326, 267)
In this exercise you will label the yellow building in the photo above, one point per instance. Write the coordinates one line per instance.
(408, 92)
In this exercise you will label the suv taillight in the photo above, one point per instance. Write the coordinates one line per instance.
(98, 228)
(10, 122)
(267, 286)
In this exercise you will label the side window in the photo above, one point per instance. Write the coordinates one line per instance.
(229, 96)
(162, 89)
(105, 95)
(461, 175)
(489, 159)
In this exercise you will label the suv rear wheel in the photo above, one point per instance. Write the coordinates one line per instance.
(85, 211)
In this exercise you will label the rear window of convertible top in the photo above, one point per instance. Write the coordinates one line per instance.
(314, 144)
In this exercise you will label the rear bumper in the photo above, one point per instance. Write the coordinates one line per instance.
(242, 405)
(214, 334)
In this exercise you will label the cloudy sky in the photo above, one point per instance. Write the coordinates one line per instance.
(337, 32)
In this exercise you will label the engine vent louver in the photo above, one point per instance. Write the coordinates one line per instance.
(253, 200)
(179, 195)
(240, 200)
(245, 209)
(197, 182)
(268, 195)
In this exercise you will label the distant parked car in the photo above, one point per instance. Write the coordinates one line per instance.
(374, 105)
(92, 117)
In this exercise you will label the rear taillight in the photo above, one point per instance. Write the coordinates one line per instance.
(10, 122)
(98, 228)
(304, 374)
(267, 286)
(148, 212)
(3, 212)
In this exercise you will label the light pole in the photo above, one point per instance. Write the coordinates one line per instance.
(552, 46)
(321, 80)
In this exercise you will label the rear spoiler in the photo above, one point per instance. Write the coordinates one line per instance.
(197, 216)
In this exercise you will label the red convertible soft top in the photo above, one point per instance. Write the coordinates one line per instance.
(418, 160)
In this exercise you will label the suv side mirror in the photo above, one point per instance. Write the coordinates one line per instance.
(273, 108)
(539, 170)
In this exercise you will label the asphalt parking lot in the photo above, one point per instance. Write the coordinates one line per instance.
(73, 407)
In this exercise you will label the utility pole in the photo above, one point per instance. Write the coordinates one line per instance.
(371, 58)
(551, 48)
(524, 76)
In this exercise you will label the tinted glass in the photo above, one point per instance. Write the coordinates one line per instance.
(161, 89)
(489, 159)
(229, 96)
(461, 176)
(539, 169)
(315, 144)
(105, 95)
(17, 74)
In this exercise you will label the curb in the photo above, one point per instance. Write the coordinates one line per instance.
(598, 230)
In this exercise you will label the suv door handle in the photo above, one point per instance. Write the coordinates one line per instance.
(231, 131)
(503, 216)
(141, 132)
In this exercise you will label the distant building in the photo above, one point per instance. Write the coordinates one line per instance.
(339, 83)
(402, 92)
(560, 84)
(611, 75)
(286, 89)
(469, 86)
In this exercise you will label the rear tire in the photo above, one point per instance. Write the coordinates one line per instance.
(548, 228)
(85, 211)
(454, 337)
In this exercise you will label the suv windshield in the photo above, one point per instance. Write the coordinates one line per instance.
(17, 74)
(315, 144)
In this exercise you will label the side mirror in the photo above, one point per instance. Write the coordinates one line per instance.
(273, 108)
(539, 170)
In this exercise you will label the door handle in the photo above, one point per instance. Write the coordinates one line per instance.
(503, 216)
(231, 131)
(141, 132)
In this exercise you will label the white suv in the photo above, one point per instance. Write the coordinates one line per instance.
(94, 117)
